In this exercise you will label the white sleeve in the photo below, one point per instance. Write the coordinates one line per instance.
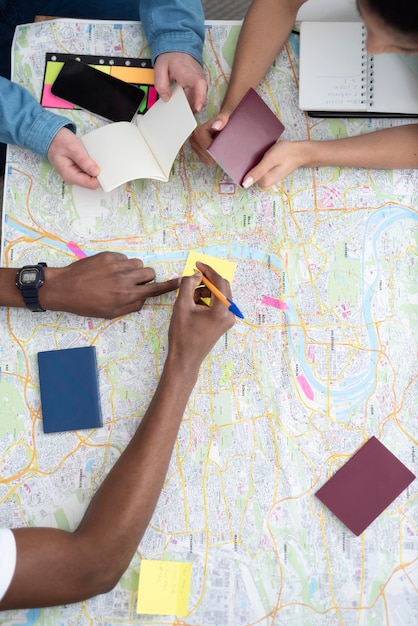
(7, 559)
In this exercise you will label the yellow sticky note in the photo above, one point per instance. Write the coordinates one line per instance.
(225, 268)
(164, 588)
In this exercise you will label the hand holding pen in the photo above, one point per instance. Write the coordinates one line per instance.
(218, 294)
(195, 327)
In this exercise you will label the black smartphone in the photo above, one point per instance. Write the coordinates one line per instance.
(97, 92)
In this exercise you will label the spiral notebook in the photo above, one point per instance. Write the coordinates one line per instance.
(338, 78)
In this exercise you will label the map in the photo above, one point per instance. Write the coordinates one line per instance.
(326, 358)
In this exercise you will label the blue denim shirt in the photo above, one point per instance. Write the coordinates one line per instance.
(24, 122)
(173, 26)
(169, 25)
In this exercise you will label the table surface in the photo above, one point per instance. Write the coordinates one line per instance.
(326, 278)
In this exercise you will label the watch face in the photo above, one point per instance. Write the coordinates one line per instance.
(29, 277)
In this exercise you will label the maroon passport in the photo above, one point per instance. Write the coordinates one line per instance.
(364, 486)
(251, 130)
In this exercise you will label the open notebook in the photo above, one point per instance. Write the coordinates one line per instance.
(145, 148)
(337, 77)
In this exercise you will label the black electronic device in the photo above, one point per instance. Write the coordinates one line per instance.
(97, 92)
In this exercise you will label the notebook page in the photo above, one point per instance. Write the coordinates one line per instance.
(411, 60)
(166, 126)
(121, 153)
(331, 72)
(395, 85)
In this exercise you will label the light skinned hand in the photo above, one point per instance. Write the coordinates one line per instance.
(279, 161)
(186, 71)
(195, 327)
(68, 156)
(105, 285)
(204, 134)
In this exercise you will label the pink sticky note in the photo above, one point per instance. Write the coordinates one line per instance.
(275, 302)
(75, 249)
(152, 96)
(49, 100)
(307, 389)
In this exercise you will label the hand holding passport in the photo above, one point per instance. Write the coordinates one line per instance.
(251, 130)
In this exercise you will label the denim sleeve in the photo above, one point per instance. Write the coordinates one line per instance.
(24, 122)
(173, 26)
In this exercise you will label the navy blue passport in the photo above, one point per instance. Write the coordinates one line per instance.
(69, 385)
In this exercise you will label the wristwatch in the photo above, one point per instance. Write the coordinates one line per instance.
(29, 279)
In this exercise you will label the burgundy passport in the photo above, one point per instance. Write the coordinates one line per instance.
(251, 130)
(364, 486)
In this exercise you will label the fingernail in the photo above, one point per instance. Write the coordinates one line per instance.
(216, 125)
(248, 182)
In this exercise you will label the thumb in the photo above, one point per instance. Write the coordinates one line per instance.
(200, 95)
(162, 81)
(220, 121)
(80, 157)
(90, 167)
(188, 286)
(254, 174)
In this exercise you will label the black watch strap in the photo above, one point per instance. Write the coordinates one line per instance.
(31, 298)
(30, 292)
